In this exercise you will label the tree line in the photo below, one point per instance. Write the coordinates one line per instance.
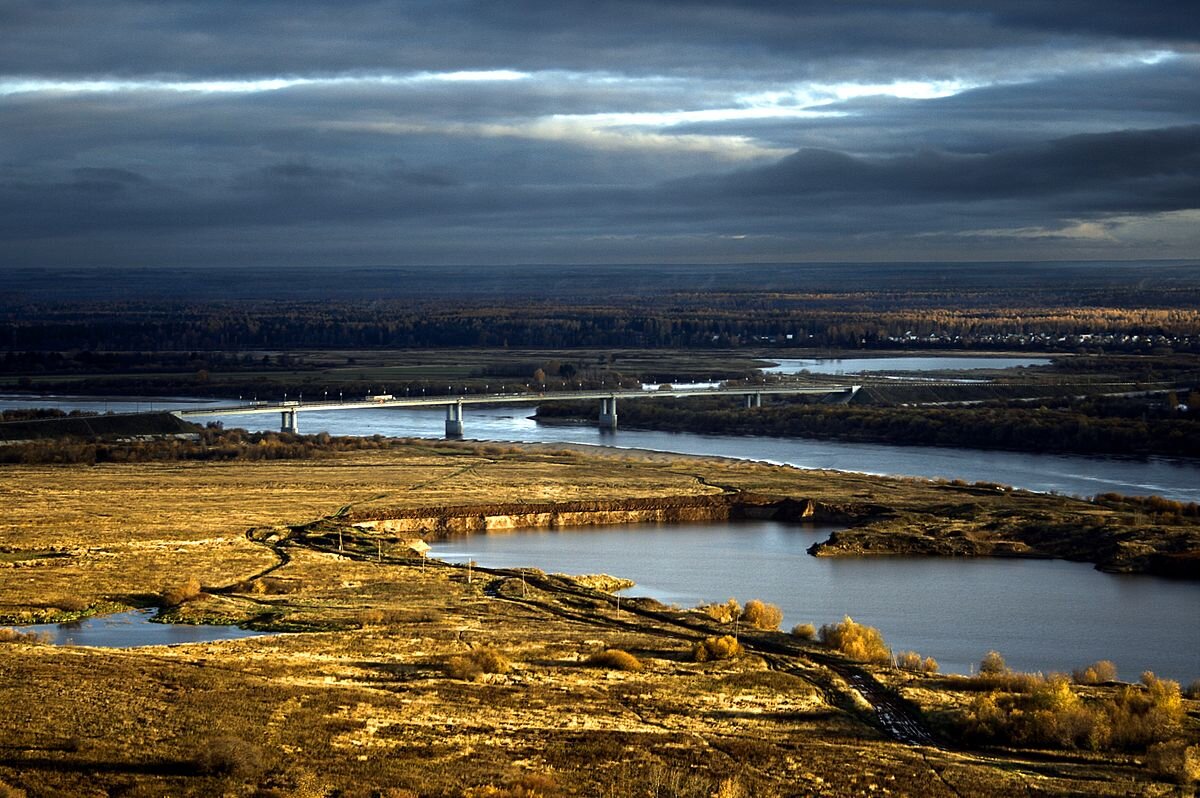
(1082, 427)
(683, 321)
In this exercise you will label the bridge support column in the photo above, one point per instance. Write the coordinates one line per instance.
(287, 422)
(754, 400)
(608, 413)
(454, 420)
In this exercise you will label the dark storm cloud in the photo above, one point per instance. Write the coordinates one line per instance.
(1134, 170)
(274, 131)
(223, 38)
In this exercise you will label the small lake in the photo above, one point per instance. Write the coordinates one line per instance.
(132, 629)
(1042, 615)
(858, 365)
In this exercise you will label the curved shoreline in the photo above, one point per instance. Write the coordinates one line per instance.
(872, 529)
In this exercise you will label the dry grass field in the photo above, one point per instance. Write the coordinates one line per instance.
(378, 699)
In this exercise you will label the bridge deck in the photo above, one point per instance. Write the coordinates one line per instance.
(513, 398)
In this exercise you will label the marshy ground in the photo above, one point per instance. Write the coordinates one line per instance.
(370, 700)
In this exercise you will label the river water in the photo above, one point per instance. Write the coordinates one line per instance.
(1042, 615)
(858, 365)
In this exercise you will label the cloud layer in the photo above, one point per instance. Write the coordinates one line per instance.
(166, 132)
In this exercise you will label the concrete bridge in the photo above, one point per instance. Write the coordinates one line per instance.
(454, 404)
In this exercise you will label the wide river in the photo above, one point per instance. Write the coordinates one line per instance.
(1041, 615)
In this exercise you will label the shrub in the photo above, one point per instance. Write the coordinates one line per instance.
(760, 615)
(1096, 673)
(1050, 713)
(372, 617)
(722, 613)
(1193, 690)
(178, 594)
(473, 665)
(856, 641)
(912, 661)
(17, 636)
(804, 631)
(229, 756)
(266, 586)
(615, 659)
(1175, 760)
(993, 664)
(69, 603)
(711, 649)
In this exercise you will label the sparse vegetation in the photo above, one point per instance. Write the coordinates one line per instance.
(722, 613)
(761, 615)
(712, 649)
(229, 756)
(765, 725)
(17, 636)
(856, 641)
(181, 593)
(615, 659)
(804, 631)
(472, 667)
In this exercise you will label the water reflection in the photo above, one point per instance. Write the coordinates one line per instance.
(130, 630)
(1041, 614)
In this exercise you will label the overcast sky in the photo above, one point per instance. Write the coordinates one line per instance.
(239, 132)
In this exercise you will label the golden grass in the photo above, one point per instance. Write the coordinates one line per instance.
(366, 706)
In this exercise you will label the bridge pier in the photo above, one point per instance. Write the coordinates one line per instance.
(754, 400)
(287, 422)
(454, 420)
(608, 413)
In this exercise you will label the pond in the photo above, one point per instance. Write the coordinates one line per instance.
(1042, 615)
(132, 629)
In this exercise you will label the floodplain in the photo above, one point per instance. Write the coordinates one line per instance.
(402, 676)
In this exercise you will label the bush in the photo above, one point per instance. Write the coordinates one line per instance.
(1050, 713)
(1175, 760)
(230, 756)
(912, 661)
(178, 594)
(993, 664)
(472, 666)
(722, 613)
(804, 631)
(1193, 690)
(615, 659)
(372, 617)
(711, 649)
(69, 604)
(760, 615)
(1096, 673)
(856, 641)
(17, 636)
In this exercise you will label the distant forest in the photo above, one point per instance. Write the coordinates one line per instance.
(691, 322)
(1043, 307)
